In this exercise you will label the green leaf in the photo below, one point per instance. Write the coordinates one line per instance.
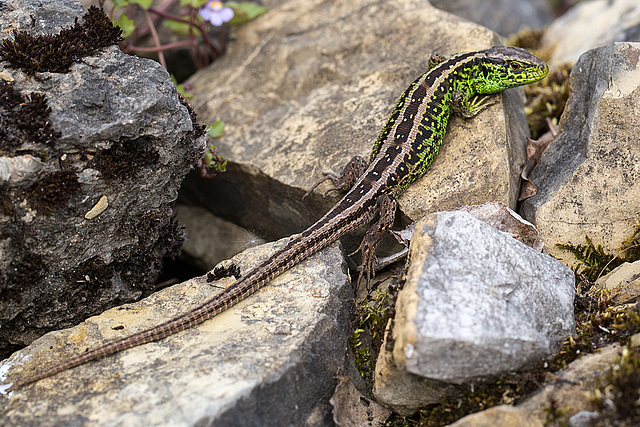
(118, 4)
(126, 25)
(244, 11)
(143, 3)
(215, 129)
(177, 27)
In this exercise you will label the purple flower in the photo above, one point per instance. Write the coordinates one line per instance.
(215, 13)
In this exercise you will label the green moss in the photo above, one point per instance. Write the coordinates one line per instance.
(555, 414)
(372, 316)
(56, 53)
(362, 355)
(55, 189)
(594, 262)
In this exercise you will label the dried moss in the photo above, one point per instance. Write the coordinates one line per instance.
(56, 53)
(24, 119)
(23, 272)
(54, 190)
(547, 98)
(90, 278)
(618, 394)
(123, 160)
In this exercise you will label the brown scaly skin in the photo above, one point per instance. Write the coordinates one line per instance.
(402, 153)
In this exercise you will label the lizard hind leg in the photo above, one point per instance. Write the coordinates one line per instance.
(345, 180)
(386, 205)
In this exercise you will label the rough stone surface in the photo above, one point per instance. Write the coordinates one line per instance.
(121, 112)
(39, 16)
(403, 391)
(502, 218)
(588, 179)
(478, 303)
(211, 239)
(570, 390)
(309, 85)
(623, 282)
(502, 16)
(588, 25)
(269, 360)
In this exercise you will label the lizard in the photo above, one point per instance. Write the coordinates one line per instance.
(406, 146)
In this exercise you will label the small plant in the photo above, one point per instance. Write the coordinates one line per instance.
(191, 20)
(594, 262)
(361, 353)
(211, 164)
(618, 394)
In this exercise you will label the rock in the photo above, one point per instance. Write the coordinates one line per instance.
(502, 16)
(584, 182)
(502, 218)
(211, 239)
(39, 16)
(623, 282)
(477, 303)
(352, 409)
(309, 85)
(588, 25)
(584, 419)
(570, 393)
(269, 360)
(118, 132)
(403, 391)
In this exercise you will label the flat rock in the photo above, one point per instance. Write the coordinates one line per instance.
(309, 85)
(587, 180)
(478, 303)
(623, 282)
(269, 360)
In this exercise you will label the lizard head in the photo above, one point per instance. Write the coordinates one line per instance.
(501, 68)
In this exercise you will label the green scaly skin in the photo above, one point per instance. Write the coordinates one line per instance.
(402, 153)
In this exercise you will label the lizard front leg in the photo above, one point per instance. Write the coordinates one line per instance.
(344, 181)
(469, 106)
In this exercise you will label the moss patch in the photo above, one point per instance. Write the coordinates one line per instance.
(123, 159)
(24, 119)
(618, 395)
(23, 272)
(56, 53)
(55, 189)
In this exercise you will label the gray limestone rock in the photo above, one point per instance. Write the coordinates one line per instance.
(270, 360)
(309, 85)
(587, 179)
(125, 138)
(478, 303)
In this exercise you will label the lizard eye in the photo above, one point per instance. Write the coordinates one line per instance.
(515, 66)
